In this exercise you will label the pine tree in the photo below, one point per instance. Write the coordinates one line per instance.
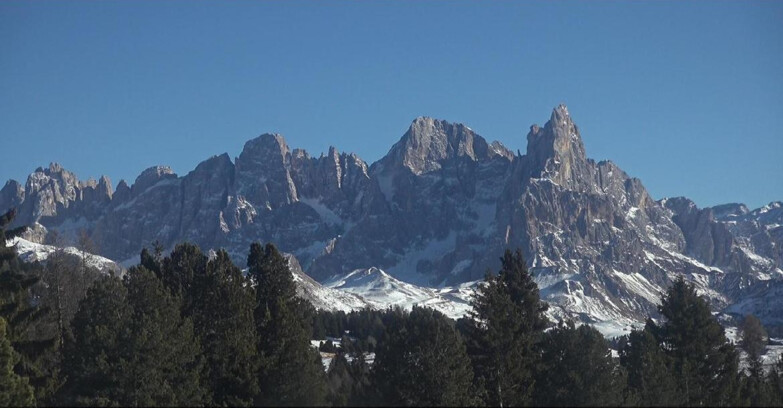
(705, 363)
(508, 320)
(166, 359)
(577, 369)
(650, 377)
(341, 383)
(422, 361)
(14, 390)
(756, 391)
(349, 382)
(99, 351)
(754, 338)
(184, 272)
(775, 383)
(225, 325)
(132, 347)
(24, 316)
(291, 372)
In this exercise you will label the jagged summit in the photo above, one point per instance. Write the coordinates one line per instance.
(151, 176)
(556, 151)
(267, 143)
(437, 210)
(430, 141)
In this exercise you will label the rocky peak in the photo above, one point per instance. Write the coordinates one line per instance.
(122, 194)
(95, 195)
(680, 205)
(429, 141)
(150, 177)
(499, 149)
(11, 195)
(268, 146)
(55, 167)
(215, 164)
(47, 190)
(263, 173)
(89, 183)
(730, 210)
(104, 187)
(556, 151)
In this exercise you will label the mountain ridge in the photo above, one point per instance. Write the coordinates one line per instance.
(437, 210)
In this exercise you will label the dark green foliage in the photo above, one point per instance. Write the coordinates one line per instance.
(98, 351)
(184, 272)
(14, 390)
(64, 282)
(650, 377)
(754, 337)
(756, 390)
(577, 369)
(291, 371)
(25, 317)
(220, 301)
(225, 324)
(132, 347)
(340, 381)
(705, 364)
(508, 321)
(364, 326)
(422, 361)
(188, 330)
(349, 382)
(167, 372)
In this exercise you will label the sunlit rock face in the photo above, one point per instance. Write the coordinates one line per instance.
(437, 210)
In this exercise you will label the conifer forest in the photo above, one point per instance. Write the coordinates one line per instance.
(190, 329)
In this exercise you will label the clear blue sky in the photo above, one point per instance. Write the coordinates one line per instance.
(686, 96)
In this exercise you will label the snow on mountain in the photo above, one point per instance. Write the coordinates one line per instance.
(425, 222)
(380, 290)
(322, 297)
(31, 252)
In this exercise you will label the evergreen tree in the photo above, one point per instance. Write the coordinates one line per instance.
(756, 391)
(754, 339)
(705, 363)
(226, 327)
(577, 369)
(99, 351)
(340, 381)
(131, 347)
(775, 384)
(291, 372)
(184, 273)
(14, 390)
(508, 321)
(422, 361)
(24, 316)
(349, 382)
(166, 362)
(650, 377)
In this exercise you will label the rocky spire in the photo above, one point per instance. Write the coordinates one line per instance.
(104, 187)
(263, 172)
(556, 151)
(11, 195)
(122, 194)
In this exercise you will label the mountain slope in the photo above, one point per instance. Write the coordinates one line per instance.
(435, 212)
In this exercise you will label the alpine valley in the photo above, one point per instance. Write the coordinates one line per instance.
(423, 224)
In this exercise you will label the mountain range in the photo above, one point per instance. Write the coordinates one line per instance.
(432, 217)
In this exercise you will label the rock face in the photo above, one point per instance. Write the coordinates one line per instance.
(437, 210)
